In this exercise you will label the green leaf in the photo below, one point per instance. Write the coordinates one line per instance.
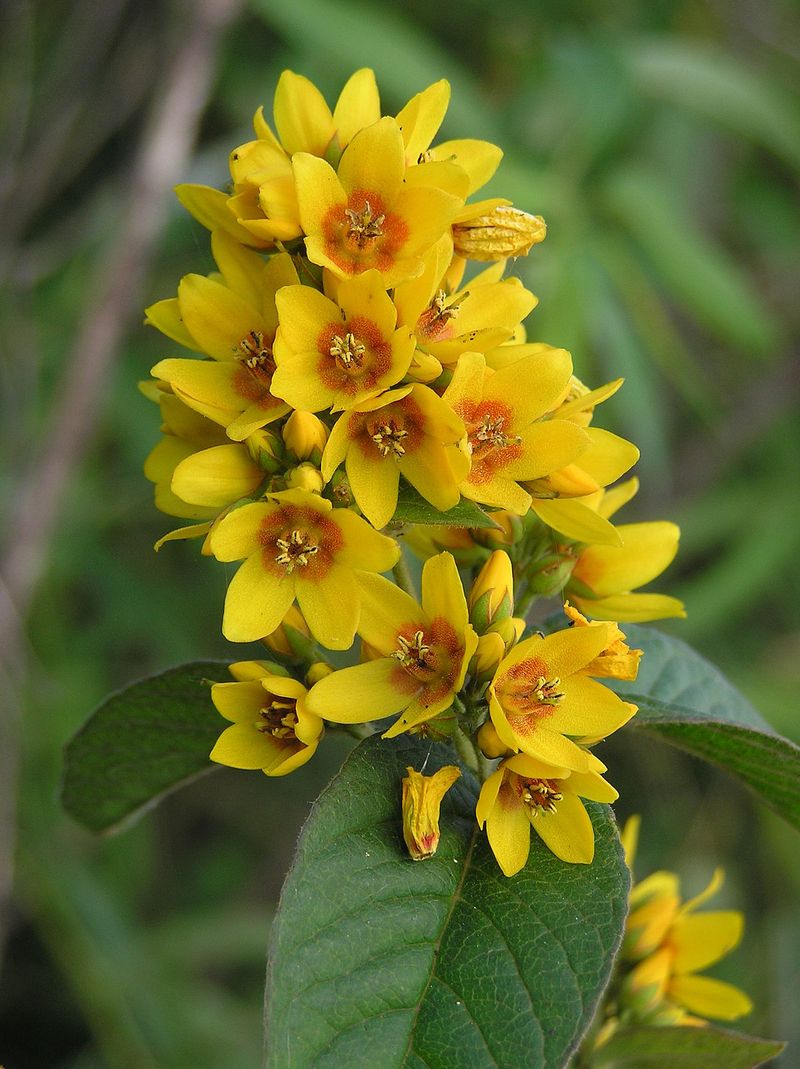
(700, 275)
(687, 701)
(141, 743)
(377, 960)
(683, 1048)
(413, 508)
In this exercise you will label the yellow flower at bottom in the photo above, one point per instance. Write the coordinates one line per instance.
(422, 797)
(525, 793)
(271, 728)
(297, 545)
(422, 653)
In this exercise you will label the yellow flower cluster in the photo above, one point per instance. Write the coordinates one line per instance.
(667, 943)
(354, 381)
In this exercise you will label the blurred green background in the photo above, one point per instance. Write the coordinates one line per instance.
(661, 141)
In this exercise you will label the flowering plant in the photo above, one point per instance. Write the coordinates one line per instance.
(364, 402)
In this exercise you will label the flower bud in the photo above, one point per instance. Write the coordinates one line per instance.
(317, 671)
(503, 232)
(490, 742)
(491, 598)
(509, 531)
(305, 436)
(510, 630)
(548, 575)
(305, 477)
(266, 449)
(489, 653)
(643, 989)
(422, 798)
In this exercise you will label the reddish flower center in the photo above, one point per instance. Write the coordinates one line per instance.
(539, 795)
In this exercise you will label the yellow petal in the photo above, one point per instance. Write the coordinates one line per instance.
(217, 477)
(546, 376)
(646, 550)
(709, 998)
(303, 313)
(241, 268)
(374, 481)
(546, 447)
(358, 105)
(385, 609)
(256, 602)
(480, 159)
(568, 832)
(442, 592)
(364, 548)
(241, 746)
(210, 207)
(287, 759)
(509, 833)
(631, 608)
(236, 535)
(205, 386)
(613, 499)
(330, 606)
(488, 796)
(701, 939)
(422, 116)
(588, 708)
(570, 517)
(430, 470)
(318, 190)
(499, 492)
(196, 530)
(373, 161)
(166, 317)
(216, 317)
(609, 456)
(358, 694)
(564, 652)
(592, 786)
(302, 118)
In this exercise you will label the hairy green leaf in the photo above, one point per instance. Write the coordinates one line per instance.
(413, 508)
(141, 743)
(683, 1048)
(380, 961)
(687, 701)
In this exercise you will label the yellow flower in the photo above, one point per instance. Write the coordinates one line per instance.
(335, 355)
(507, 440)
(295, 545)
(525, 792)
(233, 321)
(423, 652)
(475, 318)
(370, 213)
(271, 728)
(422, 798)
(617, 660)
(501, 232)
(605, 576)
(670, 944)
(540, 696)
(411, 432)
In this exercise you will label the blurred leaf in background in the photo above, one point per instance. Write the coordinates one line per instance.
(662, 144)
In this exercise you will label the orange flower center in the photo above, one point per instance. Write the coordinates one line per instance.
(364, 233)
(278, 718)
(529, 690)
(492, 447)
(539, 795)
(254, 353)
(295, 551)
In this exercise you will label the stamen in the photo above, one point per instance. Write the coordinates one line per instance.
(412, 653)
(365, 226)
(491, 433)
(546, 691)
(388, 437)
(278, 719)
(346, 351)
(256, 352)
(540, 795)
(438, 314)
(295, 550)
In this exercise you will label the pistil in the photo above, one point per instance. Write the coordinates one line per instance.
(365, 225)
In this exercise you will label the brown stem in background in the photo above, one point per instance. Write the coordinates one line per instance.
(163, 153)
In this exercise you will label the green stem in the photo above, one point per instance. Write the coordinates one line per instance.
(466, 750)
(402, 576)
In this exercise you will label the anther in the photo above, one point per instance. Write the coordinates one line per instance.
(365, 226)
(347, 351)
(412, 653)
(388, 437)
(296, 550)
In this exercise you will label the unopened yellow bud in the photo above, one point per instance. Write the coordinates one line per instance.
(266, 449)
(489, 653)
(643, 989)
(422, 799)
(490, 742)
(292, 637)
(491, 598)
(510, 630)
(503, 232)
(305, 435)
(571, 481)
(305, 477)
(509, 530)
(317, 671)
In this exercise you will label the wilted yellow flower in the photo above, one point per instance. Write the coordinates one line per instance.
(422, 799)
(498, 234)
(617, 660)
